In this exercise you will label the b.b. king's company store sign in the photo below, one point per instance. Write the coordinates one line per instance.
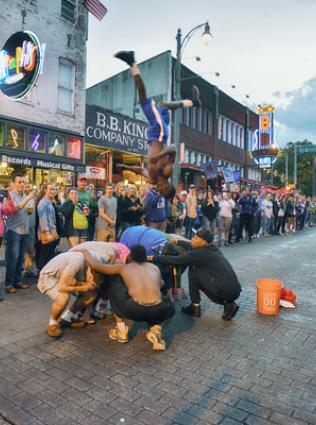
(21, 62)
(104, 128)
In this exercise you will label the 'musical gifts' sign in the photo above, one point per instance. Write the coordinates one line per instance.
(105, 128)
(21, 62)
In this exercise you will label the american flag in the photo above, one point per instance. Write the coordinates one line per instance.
(96, 8)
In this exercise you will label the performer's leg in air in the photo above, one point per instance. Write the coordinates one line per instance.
(160, 158)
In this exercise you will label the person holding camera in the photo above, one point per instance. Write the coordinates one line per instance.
(17, 231)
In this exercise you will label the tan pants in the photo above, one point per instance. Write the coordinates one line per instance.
(225, 223)
(106, 235)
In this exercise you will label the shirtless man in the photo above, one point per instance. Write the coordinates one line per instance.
(135, 295)
(160, 158)
(65, 275)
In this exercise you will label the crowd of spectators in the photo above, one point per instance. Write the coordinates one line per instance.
(33, 223)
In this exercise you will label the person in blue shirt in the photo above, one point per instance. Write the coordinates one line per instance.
(248, 206)
(160, 158)
(155, 210)
(152, 239)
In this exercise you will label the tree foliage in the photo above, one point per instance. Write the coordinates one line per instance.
(304, 167)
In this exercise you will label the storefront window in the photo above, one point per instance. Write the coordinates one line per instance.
(1, 133)
(56, 145)
(37, 140)
(73, 147)
(54, 176)
(16, 137)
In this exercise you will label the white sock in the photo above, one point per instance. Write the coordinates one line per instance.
(121, 326)
(101, 305)
(52, 321)
(134, 70)
(187, 103)
(67, 315)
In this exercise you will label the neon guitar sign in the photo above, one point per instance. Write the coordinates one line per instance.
(21, 62)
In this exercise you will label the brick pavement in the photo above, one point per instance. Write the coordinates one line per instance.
(254, 370)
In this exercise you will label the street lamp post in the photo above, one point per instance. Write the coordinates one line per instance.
(181, 44)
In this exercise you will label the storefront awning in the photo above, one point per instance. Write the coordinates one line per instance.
(193, 167)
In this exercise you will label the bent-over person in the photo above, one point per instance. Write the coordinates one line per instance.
(65, 275)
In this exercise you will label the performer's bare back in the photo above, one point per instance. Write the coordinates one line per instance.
(143, 282)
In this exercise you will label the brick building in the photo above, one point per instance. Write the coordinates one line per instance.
(43, 131)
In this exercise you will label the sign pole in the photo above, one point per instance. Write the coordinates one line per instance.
(314, 177)
(286, 169)
(295, 166)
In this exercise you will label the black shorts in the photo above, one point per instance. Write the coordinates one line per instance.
(124, 306)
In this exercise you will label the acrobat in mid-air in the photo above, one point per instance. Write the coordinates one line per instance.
(160, 158)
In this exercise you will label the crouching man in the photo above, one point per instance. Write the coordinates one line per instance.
(65, 275)
(209, 272)
(135, 295)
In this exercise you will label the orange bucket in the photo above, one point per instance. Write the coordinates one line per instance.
(268, 296)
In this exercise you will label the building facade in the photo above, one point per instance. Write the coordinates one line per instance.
(221, 131)
(43, 126)
(113, 139)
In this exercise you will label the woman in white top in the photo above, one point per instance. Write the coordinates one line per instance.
(226, 215)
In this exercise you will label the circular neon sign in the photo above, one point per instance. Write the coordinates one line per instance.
(21, 61)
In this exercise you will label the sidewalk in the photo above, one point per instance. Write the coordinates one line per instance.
(253, 370)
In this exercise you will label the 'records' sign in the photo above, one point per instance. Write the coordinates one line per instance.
(104, 128)
(40, 163)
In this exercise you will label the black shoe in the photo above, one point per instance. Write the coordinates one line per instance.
(1, 297)
(74, 324)
(192, 310)
(21, 285)
(126, 56)
(230, 310)
(196, 97)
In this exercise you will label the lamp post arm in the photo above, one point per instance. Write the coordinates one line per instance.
(184, 42)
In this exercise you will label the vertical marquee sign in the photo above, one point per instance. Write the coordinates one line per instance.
(265, 151)
(21, 62)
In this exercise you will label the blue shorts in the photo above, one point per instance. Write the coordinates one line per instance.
(159, 119)
(83, 233)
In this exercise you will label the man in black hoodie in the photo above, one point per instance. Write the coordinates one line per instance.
(210, 272)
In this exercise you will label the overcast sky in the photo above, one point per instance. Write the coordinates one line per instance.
(267, 49)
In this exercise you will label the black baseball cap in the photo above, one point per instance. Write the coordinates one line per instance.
(204, 233)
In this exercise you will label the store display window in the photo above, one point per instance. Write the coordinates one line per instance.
(37, 140)
(16, 135)
(74, 147)
(1, 133)
(56, 145)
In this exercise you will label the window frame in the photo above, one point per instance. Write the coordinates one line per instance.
(63, 7)
(67, 62)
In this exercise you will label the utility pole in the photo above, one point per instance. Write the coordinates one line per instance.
(314, 177)
(295, 166)
(286, 169)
